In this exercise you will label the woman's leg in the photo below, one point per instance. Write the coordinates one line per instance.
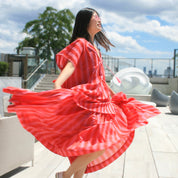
(81, 162)
(80, 173)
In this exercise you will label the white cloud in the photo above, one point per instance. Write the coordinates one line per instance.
(32, 4)
(7, 46)
(10, 34)
(139, 24)
(118, 16)
(126, 44)
(136, 8)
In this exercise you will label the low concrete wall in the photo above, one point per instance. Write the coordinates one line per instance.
(5, 82)
(166, 86)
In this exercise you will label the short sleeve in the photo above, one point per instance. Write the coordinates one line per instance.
(70, 53)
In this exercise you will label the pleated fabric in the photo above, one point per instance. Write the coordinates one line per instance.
(81, 117)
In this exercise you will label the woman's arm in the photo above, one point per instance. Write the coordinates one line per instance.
(64, 75)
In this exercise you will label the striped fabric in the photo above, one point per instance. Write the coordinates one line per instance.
(81, 117)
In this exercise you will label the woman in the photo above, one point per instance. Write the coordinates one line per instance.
(79, 119)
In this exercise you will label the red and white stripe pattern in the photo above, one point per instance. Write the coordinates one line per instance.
(81, 117)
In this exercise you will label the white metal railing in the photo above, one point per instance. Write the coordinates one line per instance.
(153, 67)
(35, 75)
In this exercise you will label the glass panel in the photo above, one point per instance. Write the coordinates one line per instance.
(151, 67)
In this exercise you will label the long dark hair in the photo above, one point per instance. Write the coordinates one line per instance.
(81, 25)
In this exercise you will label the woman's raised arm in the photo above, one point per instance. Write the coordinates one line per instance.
(64, 75)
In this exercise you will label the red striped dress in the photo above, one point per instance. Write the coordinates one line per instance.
(81, 117)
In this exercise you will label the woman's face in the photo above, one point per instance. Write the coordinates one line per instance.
(94, 24)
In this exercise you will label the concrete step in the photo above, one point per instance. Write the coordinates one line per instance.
(54, 77)
(51, 76)
(46, 83)
(40, 90)
(44, 87)
(48, 80)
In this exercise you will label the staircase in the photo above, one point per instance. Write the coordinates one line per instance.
(46, 83)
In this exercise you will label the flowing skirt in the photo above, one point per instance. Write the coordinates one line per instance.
(68, 127)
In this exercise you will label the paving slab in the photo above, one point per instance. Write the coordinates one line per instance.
(167, 164)
(160, 141)
(174, 139)
(139, 162)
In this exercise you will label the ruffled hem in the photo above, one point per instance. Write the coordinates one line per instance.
(67, 126)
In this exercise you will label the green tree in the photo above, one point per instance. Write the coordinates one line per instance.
(49, 33)
(27, 42)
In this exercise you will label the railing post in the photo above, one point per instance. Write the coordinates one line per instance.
(25, 70)
(134, 62)
(151, 68)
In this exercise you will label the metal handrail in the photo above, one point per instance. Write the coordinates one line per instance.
(35, 70)
(34, 76)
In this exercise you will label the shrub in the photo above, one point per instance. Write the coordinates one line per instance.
(3, 68)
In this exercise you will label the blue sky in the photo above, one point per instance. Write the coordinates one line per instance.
(138, 29)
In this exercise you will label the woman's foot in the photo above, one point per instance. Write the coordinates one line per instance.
(59, 175)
